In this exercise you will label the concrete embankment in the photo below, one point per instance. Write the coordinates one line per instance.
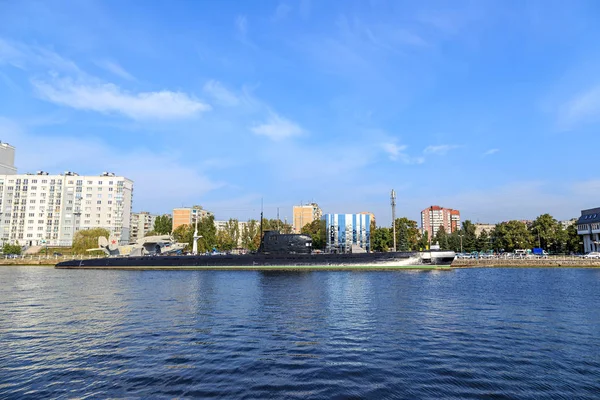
(565, 262)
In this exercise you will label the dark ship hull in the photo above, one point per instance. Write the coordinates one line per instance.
(262, 261)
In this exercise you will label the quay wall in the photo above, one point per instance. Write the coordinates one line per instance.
(566, 261)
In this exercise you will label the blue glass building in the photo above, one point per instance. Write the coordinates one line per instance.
(344, 230)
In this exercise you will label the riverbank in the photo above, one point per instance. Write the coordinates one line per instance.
(563, 262)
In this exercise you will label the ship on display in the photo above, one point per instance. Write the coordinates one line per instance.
(276, 252)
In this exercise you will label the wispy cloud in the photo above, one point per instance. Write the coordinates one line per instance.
(440, 149)
(584, 107)
(490, 152)
(241, 23)
(221, 94)
(277, 128)
(398, 153)
(116, 69)
(109, 98)
(27, 57)
(282, 11)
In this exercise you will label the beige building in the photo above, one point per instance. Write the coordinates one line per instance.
(484, 227)
(49, 209)
(434, 217)
(305, 214)
(188, 215)
(141, 223)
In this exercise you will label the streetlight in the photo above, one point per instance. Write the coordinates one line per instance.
(460, 235)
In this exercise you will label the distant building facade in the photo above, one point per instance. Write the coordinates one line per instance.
(7, 159)
(49, 209)
(588, 226)
(188, 215)
(567, 223)
(433, 217)
(345, 230)
(484, 227)
(304, 215)
(141, 223)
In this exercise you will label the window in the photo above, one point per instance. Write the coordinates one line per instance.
(99, 196)
(99, 202)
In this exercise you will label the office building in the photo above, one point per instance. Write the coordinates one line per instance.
(49, 209)
(588, 226)
(305, 214)
(432, 218)
(188, 215)
(348, 232)
(141, 224)
(7, 159)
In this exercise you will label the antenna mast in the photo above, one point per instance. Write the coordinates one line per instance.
(393, 202)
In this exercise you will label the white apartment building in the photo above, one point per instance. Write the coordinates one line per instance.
(38, 208)
(7, 159)
(141, 223)
(222, 225)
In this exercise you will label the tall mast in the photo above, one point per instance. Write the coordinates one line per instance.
(393, 202)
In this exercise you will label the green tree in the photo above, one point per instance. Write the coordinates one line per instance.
(11, 249)
(208, 233)
(423, 242)
(88, 239)
(228, 238)
(483, 241)
(276, 225)
(454, 240)
(184, 234)
(381, 239)
(469, 236)
(251, 235)
(574, 242)
(317, 231)
(441, 238)
(511, 235)
(546, 232)
(407, 234)
(163, 224)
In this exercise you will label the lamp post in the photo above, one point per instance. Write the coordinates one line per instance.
(460, 235)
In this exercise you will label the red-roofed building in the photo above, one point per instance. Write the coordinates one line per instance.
(435, 216)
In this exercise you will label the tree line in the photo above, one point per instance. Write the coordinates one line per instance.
(545, 232)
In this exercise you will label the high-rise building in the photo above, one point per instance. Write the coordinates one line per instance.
(141, 223)
(432, 218)
(345, 230)
(7, 159)
(42, 208)
(305, 214)
(188, 215)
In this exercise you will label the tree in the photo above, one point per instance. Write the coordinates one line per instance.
(208, 233)
(251, 235)
(469, 236)
(88, 239)
(381, 239)
(11, 249)
(407, 234)
(423, 242)
(574, 243)
(184, 234)
(317, 231)
(228, 238)
(441, 238)
(511, 235)
(483, 241)
(547, 233)
(163, 224)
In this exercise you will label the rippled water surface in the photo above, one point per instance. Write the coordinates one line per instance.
(476, 333)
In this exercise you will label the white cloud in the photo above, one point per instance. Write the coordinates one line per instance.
(397, 153)
(490, 152)
(109, 98)
(440, 149)
(241, 23)
(116, 69)
(277, 128)
(584, 107)
(221, 94)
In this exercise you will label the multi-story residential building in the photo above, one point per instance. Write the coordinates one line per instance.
(435, 216)
(41, 208)
(7, 159)
(588, 226)
(305, 214)
(345, 230)
(567, 223)
(141, 223)
(188, 215)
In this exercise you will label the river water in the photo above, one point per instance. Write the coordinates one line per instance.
(469, 333)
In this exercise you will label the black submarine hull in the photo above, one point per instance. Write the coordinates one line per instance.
(389, 260)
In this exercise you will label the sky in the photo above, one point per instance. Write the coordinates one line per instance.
(488, 107)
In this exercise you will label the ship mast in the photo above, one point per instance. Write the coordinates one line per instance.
(393, 202)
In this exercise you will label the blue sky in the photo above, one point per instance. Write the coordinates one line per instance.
(492, 108)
